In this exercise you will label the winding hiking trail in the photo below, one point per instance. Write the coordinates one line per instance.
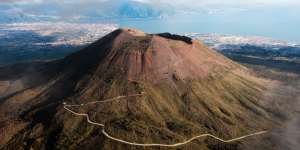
(147, 144)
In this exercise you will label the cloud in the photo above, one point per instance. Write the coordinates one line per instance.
(71, 8)
(177, 4)
(172, 2)
(21, 1)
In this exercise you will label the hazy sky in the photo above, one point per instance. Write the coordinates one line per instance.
(184, 2)
(273, 18)
(178, 4)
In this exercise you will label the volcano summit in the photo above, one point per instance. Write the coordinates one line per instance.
(135, 87)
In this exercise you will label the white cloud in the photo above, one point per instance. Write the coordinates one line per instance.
(210, 6)
(176, 2)
(21, 1)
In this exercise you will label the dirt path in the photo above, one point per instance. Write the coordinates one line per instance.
(67, 107)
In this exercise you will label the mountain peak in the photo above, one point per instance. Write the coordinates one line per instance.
(133, 32)
(137, 85)
(151, 57)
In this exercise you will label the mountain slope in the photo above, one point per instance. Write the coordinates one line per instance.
(164, 88)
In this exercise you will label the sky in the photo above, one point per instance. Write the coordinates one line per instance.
(180, 5)
(277, 19)
(183, 3)
(175, 4)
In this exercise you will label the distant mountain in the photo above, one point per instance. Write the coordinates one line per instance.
(134, 9)
(150, 88)
(290, 51)
(52, 11)
(16, 18)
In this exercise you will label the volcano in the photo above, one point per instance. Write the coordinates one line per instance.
(130, 89)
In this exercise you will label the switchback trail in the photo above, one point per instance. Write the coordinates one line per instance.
(66, 107)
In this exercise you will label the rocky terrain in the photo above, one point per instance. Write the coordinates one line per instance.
(182, 89)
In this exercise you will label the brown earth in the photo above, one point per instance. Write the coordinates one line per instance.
(189, 88)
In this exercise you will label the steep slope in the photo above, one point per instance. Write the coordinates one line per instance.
(135, 87)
